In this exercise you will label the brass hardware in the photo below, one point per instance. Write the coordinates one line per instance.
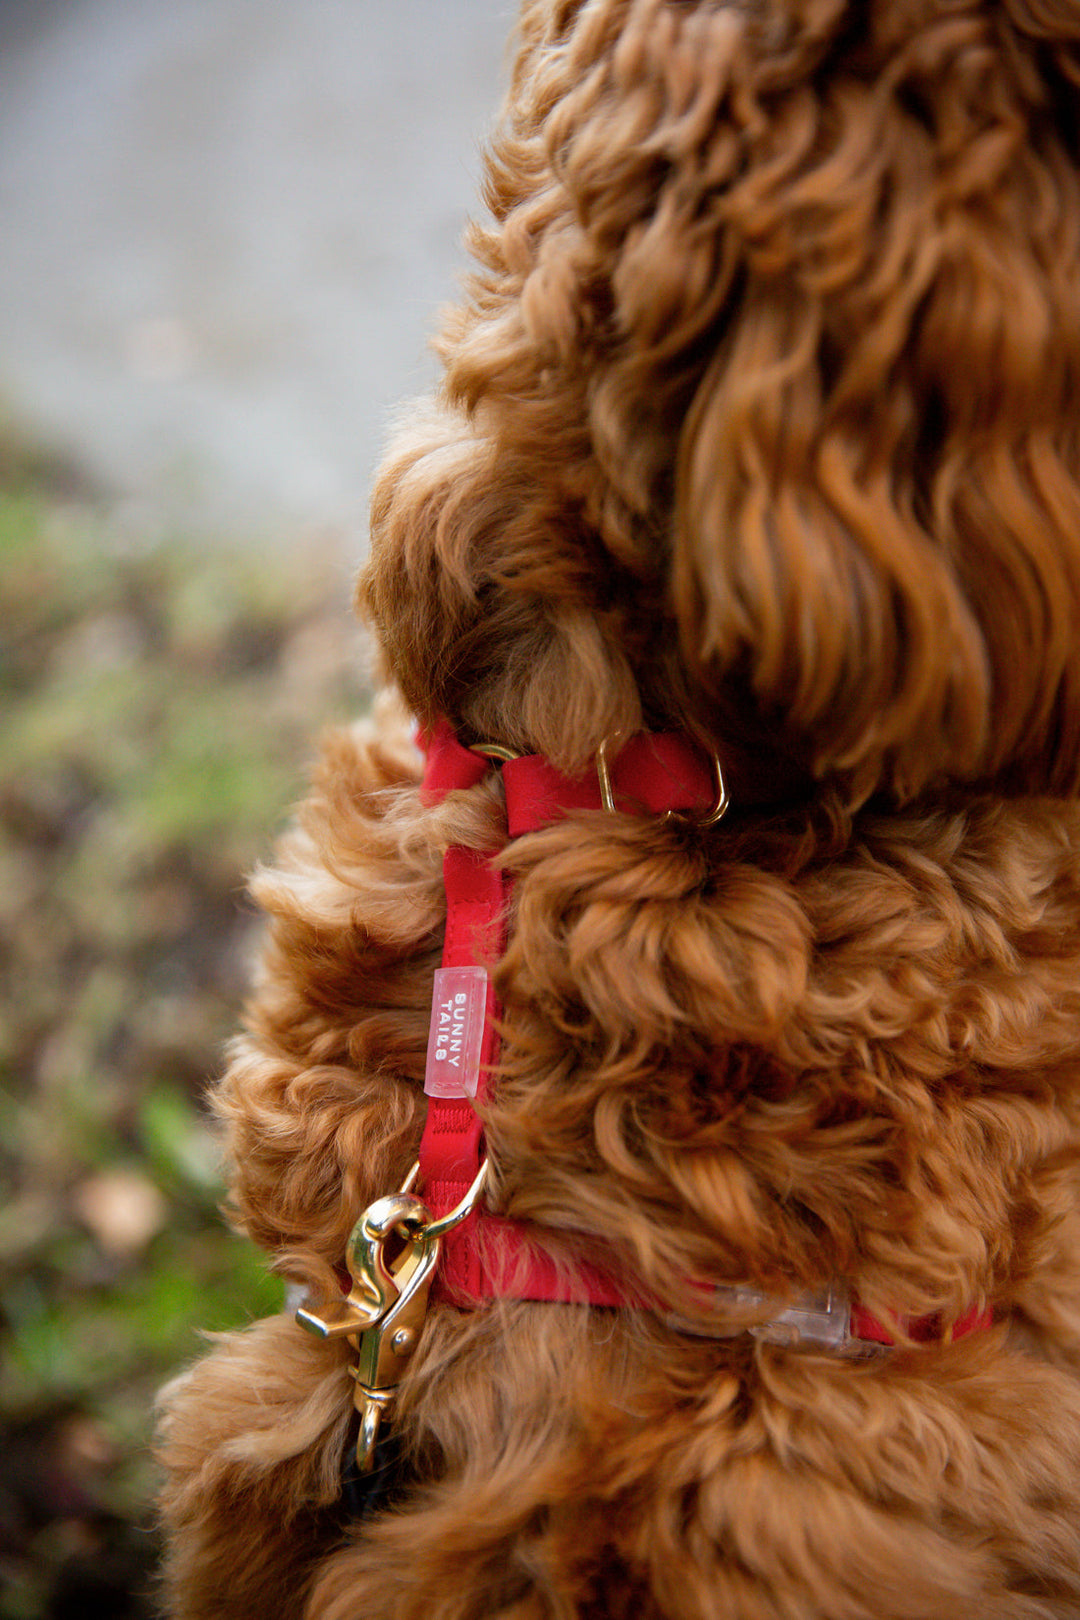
(372, 1291)
(434, 1230)
(721, 802)
(603, 775)
(494, 751)
(384, 1311)
(371, 1404)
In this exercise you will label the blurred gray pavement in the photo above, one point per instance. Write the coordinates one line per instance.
(226, 227)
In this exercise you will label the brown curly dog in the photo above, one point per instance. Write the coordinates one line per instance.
(760, 432)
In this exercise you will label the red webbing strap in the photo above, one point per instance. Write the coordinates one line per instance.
(476, 894)
(489, 1256)
(654, 773)
(651, 773)
(921, 1329)
(447, 764)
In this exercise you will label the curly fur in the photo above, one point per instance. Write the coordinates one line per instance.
(761, 419)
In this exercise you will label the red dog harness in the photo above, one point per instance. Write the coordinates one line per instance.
(401, 1245)
(488, 1256)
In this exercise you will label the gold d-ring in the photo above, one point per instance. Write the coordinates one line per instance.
(494, 751)
(603, 776)
(721, 801)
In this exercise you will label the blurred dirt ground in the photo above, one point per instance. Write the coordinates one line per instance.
(156, 710)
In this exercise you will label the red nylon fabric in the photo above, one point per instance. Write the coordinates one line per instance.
(489, 1256)
(492, 1256)
(476, 896)
(447, 764)
(922, 1329)
(650, 774)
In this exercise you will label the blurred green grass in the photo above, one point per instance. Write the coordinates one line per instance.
(157, 707)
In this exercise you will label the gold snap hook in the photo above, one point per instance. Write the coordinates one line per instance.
(384, 1312)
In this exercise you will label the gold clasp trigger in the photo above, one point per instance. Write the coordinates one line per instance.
(374, 1285)
(384, 1311)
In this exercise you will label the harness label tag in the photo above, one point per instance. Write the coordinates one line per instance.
(458, 1013)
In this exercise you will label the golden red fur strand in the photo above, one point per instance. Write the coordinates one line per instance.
(760, 420)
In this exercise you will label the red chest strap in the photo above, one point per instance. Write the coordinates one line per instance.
(655, 773)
